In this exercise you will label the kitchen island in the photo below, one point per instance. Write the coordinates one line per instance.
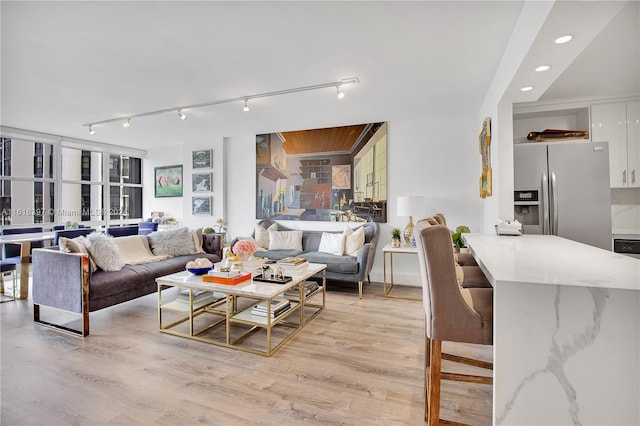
(566, 330)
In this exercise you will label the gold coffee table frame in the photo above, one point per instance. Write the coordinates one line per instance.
(387, 287)
(226, 312)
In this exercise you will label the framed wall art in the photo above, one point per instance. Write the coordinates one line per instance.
(201, 182)
(202, 159)
(168, 181)
(201, 205)
(484, 144)
(328, 174)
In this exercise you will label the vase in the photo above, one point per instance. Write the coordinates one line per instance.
(395, 242)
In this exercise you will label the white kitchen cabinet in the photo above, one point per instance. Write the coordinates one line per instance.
(633, 143)
(619, 124)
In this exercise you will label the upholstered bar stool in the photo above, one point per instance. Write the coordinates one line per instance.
(471, 275)
(452, 314)
(463, 259)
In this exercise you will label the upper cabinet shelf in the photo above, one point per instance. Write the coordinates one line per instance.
(537, 121)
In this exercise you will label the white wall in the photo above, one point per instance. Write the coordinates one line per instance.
(434, 157)
(180, 207)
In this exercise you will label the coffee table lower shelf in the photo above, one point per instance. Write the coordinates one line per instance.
(228, 321)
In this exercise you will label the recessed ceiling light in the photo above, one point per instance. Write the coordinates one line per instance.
(564, 39)
(527, 89)
(543, 68)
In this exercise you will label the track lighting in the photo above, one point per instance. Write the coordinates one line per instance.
(245, 98)
(91, 131)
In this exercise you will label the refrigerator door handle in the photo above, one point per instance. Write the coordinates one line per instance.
(545, 205)
(554, 196)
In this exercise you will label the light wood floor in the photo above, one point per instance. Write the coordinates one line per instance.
(360, 362)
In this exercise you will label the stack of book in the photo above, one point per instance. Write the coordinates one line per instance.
(200, 298)
(279, 305)
(293, 264)
(231, 277)
(294, 292)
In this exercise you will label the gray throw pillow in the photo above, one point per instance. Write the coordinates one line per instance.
(104, 251)
(172, 242)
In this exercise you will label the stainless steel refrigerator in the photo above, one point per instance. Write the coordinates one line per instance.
(562, 188)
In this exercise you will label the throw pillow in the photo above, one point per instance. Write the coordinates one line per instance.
(135, 250)
(285, 240)
(104, 251)
(197, 240)
(332, 243)
(353, 240)
(261, 235)
(77, 245)
(172, 242)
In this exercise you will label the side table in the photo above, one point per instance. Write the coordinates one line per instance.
(388, 250)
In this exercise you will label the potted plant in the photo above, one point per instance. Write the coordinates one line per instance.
(458, 241)
(395, 237)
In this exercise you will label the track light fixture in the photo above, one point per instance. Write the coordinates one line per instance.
(91, 131)
(127, 120)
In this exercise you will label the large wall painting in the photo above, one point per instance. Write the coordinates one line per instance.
(331, 174)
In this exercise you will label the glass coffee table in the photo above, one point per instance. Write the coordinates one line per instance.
(225, 316)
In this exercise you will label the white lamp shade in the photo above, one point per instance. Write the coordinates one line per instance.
(410, 205)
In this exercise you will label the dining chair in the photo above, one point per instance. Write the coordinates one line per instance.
(71, 233)
(145, 228)
(11, 252)
(452, 314)
(4, 268)
(57, 227)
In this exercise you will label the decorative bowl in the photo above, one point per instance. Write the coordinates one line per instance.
(199, 271)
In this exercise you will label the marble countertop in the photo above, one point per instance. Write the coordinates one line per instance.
(548, 259)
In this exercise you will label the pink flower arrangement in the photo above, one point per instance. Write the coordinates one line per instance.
(245, 247)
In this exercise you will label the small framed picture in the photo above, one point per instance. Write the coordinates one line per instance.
(201, 182)
(168, 181)
(201, 205)
(202, 159)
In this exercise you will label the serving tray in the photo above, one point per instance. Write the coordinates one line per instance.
(272, 280)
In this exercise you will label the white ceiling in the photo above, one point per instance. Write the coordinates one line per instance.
(65, 64)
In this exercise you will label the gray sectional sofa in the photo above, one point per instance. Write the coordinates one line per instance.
(339, 268)
(64, 280)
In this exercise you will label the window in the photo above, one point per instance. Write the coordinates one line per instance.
(49, 183)
(27, 196)
(125, 197)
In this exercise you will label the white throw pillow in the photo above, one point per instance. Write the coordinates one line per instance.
(197, 240)
(104, 251)
(172, 242)
(332, 243)
(285, 240)
(77, 245)
(353, 240)
(261, 235)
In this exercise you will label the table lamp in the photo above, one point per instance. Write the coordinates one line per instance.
(408, 206)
